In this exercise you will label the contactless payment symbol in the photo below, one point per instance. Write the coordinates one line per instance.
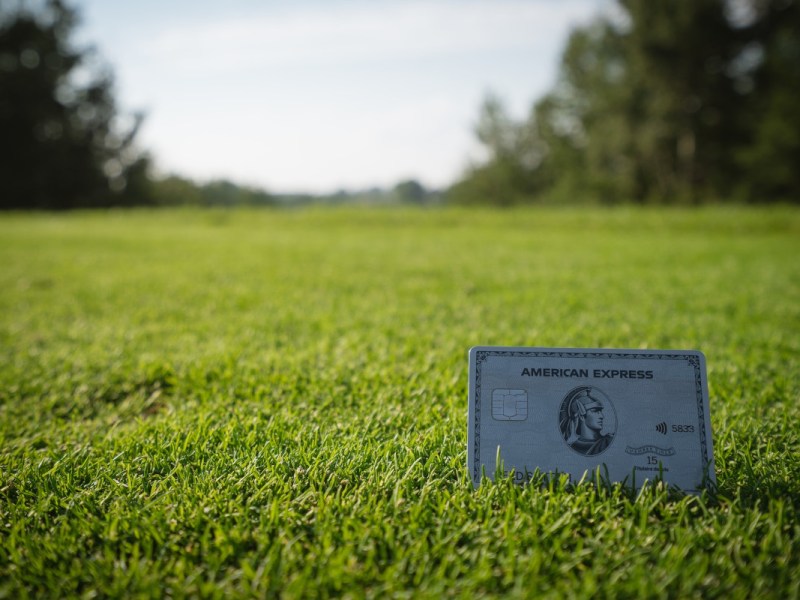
(509, 405)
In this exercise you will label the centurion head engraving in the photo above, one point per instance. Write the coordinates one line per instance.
(587, 420)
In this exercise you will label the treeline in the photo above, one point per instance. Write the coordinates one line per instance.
(676, 101)
(175, 190)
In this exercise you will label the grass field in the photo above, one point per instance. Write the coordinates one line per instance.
(274, 403)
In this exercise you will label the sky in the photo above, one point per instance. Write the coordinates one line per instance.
(323, 95)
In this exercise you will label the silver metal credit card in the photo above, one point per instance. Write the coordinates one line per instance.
(634, 414)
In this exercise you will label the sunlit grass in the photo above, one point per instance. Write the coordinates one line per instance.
(263, 403)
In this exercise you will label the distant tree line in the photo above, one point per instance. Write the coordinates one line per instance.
(679, 101)
(407, 191)
(174, 190)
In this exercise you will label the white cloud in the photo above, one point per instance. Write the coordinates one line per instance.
(334, 33)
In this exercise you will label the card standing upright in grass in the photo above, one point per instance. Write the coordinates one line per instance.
(633, 414)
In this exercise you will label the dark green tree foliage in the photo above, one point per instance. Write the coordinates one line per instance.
(411, 191)
(61, 144)
(222, 192)
(680, 52)
(174, 190)
(771, 159)
(681, 101)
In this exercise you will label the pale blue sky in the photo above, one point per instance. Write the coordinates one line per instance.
(316, 96)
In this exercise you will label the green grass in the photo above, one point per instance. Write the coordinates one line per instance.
(274, 403)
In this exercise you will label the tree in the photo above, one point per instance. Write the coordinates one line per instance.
(62, 144)
(584, 125)
(680, 52)
(769, 78)
(648, 107)
(411, 191)
(174, 190)
(510, 173)
(676, 101)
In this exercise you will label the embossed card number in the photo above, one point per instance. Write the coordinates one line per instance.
(635, 414)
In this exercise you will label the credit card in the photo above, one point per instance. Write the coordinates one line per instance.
(631, 415)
